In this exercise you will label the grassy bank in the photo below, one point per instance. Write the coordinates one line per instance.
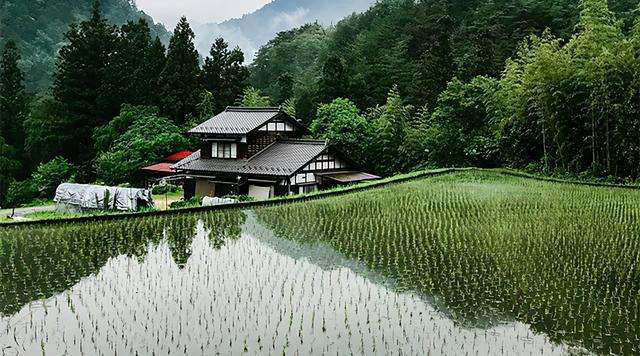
(163, 201)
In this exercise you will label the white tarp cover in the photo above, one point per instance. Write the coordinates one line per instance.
(84, 196)
(209, 201)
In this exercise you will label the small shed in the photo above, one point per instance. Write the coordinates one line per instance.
(95, 197)
(161, 170)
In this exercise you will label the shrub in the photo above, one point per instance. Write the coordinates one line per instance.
(165, 188)
(20, 193)
(48, 176)
(240, 198)
(191, 203)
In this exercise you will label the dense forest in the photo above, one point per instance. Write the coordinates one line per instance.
(546, 86)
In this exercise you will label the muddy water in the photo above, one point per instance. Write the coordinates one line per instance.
(259, 294)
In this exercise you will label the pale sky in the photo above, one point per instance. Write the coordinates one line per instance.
(169, 12)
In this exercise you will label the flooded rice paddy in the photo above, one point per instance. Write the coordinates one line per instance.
(468, 264)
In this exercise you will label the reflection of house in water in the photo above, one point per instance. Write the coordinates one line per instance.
(260, 152)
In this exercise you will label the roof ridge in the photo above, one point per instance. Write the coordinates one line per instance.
(304, 140)
(258, 109)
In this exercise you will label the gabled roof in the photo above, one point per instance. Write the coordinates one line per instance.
(285, 157)
(237, 121)
(282, 158)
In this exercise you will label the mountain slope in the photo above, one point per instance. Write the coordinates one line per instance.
(255, 29)
(38, 27)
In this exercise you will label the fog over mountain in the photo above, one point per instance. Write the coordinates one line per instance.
(255, 29)
(38, 28)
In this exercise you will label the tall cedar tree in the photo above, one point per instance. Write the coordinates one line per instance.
(138, 61)
(155, 65)
(224, 74)
(180, 88)
(13, 101)
(9, 169)
(334, 80)
(285, 88)
(82, 68)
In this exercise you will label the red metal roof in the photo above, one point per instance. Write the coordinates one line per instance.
(177, 157)
(159, 168)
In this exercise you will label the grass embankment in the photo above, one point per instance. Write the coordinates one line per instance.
(163, 202)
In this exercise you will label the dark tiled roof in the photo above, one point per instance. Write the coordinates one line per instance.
(282, 158)
(236, 121)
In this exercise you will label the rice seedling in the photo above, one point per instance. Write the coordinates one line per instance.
(470, 263)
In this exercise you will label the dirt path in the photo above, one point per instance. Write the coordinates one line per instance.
(22, 212)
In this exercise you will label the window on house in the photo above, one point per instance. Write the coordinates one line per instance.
(224, 150)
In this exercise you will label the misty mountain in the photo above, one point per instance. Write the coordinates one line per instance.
(254, 30)
(38, 28)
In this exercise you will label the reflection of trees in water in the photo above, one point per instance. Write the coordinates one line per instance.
(39, 262)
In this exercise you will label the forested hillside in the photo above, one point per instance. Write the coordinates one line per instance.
(417, 45)
(39, 28)
(432, 81)
(254, 30)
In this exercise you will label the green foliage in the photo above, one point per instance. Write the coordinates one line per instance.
(191, 203)
(81, 71)
(334, 80)
(204, 111)
(48, 134)
(100, 67)
(289, 106)
(390, 123)
(285, 88)
(224, 74)
(460, 132)
(165, 188)
(13, 100)
(253, 98)
(341, 123)
(147, 140)
(106, 136)
(179, 85)
(294, 52)
(48, 176)
(20, 193)
(9, 168)
(135, 66)
(573, 106)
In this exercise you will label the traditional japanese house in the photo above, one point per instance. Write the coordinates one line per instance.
(261, 152)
